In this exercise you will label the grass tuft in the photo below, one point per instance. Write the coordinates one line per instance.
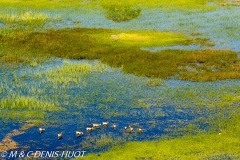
(28, 103)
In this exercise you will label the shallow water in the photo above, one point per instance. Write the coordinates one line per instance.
(105, 95)
(177, 47)
(123, 99)
(220, 25)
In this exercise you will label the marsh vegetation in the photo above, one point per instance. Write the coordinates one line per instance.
(66, 64)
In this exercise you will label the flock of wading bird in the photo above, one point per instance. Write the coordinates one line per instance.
(95, 126)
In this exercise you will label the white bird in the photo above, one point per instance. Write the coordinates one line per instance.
(79, 134)
(105, 123)
(95, 125)
(139, 130)
(89, 129)
(114, 126)
(41, 130)
(130, 129)
(59, 135)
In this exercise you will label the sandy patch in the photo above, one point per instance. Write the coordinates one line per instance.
(7, 143)
(27, 126)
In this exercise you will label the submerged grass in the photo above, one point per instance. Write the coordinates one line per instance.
(120, 49)
(68, 73)
(102, 141)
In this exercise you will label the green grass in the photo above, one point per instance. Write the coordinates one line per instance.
(210, 95)
(104, 140)
(182, 5)
(21, 115)
(24, 20)
(61, 4)
(122, 49)
(195, 147)
(200, 146)
(29, 103)
(68, 73)
(41, 4)
(121, 13)
(142, 38)
(25, 108)
(27, 17)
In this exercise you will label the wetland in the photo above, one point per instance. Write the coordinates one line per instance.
(169, 70)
